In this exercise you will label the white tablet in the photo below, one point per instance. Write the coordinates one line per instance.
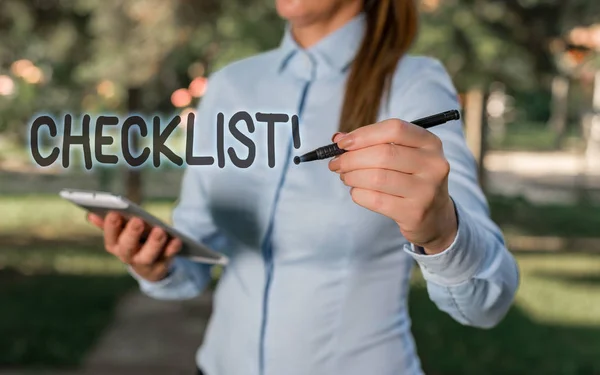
(100, 203)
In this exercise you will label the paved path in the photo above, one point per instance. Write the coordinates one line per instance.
(553, 177)
(151, 337)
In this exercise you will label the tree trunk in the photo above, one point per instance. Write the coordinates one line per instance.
(590, 125)
(593, 129)
(559, 109)
(495, 108)
(133, 176)
(475, 129)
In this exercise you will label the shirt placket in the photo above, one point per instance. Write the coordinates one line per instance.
(303, 68)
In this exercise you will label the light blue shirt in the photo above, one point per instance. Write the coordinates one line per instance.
(317, 284)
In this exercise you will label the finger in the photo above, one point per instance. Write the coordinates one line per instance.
(382, 203)
(95, 220)
(129, 240)
(337, 136)
(152, 249)
(389, 131)
(383, 156)
(386, 181)
(113, 223)
(410, 216)
(172, 248)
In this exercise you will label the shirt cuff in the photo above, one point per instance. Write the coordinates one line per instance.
(459, 262)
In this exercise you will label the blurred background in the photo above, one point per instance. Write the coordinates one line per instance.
(529, 76)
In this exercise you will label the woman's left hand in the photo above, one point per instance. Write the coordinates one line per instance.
(399, 170)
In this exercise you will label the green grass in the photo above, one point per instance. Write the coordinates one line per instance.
(56, 301)
(50, 217)
(518, 216)
(528, 136)
(59, 289)
(553, 329)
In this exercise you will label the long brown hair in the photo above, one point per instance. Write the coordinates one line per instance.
(390, 31)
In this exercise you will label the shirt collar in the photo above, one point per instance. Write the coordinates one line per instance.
(337, 49)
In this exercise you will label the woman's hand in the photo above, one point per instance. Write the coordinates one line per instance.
(150, 259)
(399, 170)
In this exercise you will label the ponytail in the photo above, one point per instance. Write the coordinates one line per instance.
(390, 31)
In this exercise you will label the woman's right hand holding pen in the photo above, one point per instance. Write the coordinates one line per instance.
(399, 170)
(123, 239)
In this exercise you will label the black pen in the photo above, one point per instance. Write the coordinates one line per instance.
(332, 150)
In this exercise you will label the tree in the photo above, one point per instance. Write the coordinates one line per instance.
(489, 35)
(40, 44)
(119, 56)
(147, 45)
(518, 42)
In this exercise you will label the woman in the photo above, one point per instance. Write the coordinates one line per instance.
(319, 268)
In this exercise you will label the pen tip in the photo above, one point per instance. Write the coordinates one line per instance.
(296, 160)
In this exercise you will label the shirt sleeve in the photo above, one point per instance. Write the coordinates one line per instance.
(192, 217)
(475, 279)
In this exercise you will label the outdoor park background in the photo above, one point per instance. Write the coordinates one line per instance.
(529, 75)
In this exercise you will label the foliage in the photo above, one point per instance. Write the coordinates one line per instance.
(51, 34)
(151, 43)
(534, 137)
(94, 53)
(147, 44)
(513, 41)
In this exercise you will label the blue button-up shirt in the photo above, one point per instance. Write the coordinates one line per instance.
(315, 283)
